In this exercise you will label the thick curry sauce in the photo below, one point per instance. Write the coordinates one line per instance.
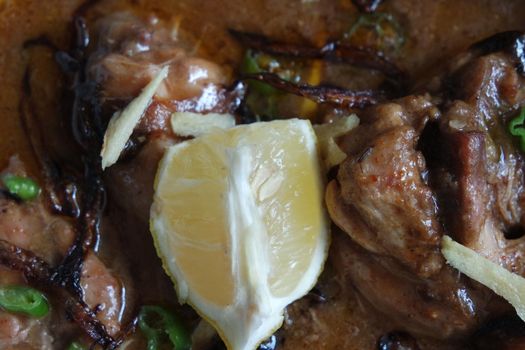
(333, 316)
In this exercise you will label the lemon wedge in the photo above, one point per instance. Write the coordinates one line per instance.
(239, 222)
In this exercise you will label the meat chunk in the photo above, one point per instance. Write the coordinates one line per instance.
(130, 186)
(102, 292)
(414, 174)
(30, 226)
(126, 54)
(380, 198)
(130, 52)
(443, 302)
(477, 171)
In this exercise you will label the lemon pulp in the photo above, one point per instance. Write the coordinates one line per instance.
(239, 223)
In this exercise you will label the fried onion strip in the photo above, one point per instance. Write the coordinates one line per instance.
(320, 94)
(333, 51)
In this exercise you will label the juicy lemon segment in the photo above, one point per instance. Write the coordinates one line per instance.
(238, 221)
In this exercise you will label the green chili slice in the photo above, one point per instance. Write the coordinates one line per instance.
(517, 128)
(76, 346)
(250, 65)
(25, 300)
(263, 100)
(22, 187)
(381, 28)
(156, 323)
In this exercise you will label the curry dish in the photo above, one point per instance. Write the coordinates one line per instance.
(438, 88)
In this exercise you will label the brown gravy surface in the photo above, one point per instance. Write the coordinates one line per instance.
(435, 30)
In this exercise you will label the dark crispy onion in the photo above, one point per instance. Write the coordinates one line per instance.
(37, 271)
(33, 268)
(367, 5)
(40, 41)
(81, 314)
(503, 332)
(333, 51)
(27, 112)
(320, 94)
(80, 195)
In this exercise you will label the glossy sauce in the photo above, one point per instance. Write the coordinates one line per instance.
(435, 30)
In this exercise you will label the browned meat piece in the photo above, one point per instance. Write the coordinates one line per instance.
(130, 52)
(408, 181)
(478, 171)
(380, 198)
(131, 183)
(102, 292)
(443, 302)
(31, 226)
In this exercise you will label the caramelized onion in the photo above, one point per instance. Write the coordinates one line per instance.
(334, 51)
(320, 94)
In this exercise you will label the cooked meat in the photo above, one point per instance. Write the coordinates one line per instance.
(130, 185)
(31, 226)
(129, 52)
(131, 182)
(380, 198)
(478, 170)
(407, 181)
(421, 306)
(102, 292)
(437, 162)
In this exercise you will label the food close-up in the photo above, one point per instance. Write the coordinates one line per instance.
(262, 174)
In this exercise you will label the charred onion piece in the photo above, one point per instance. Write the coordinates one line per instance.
(367, 5)
(34, 269)
(320, 94)
(511, 42)
(61, 201)
(332, 51)
(81, 314)
(81, 196)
